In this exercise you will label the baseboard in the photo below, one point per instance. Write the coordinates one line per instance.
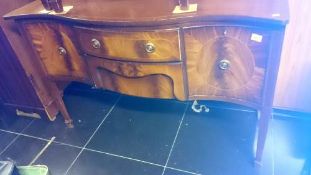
(284, 113)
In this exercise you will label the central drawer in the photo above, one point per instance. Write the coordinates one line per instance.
(136, 46)
(153, 80)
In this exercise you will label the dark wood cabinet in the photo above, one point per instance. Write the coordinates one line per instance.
(18, 92)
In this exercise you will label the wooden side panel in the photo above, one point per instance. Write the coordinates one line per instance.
(47, 39)
(15, 87)
(294, 84)
(130, 46)
(245, 50)
(139, 79)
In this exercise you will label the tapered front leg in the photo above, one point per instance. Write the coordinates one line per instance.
(58, 95)
(64, 112)
(263, 125)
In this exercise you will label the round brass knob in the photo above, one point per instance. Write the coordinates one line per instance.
(149, 47)
(95, 43)
(62, 51)
(224, 64)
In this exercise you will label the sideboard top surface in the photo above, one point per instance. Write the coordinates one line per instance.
(157, 12)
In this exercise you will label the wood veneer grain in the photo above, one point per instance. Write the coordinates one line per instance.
(140, 79)
(158, 12)
(46, 39)
(243, 81)
(130, 46)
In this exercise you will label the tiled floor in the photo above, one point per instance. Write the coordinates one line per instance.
(122, 135)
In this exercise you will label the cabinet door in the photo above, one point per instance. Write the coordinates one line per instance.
(227, 63)
(55, 48)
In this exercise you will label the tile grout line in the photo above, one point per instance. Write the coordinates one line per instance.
(67, 144)
(15, 138)
(184, 171)
(73, 162)
(40, 138)
(26, 135)
(141, 161)
(230, 108)
(124, 157)
(92, 150)
(175, 138)
(107, 153)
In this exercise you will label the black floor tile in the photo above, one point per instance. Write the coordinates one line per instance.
(174, 172)
(292, 150)
(5, 140)
(58, 158)
(140, 128)
(23, 150)
(219, 142)
(86, 109)
(102, 164)
(13, 123)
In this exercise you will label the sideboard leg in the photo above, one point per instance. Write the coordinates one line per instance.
(64, 112)
(264, 118)
(61, 106)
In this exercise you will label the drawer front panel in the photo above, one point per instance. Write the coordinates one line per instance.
(227, 63)
(56, 50)
(139, 79)
(151, 46)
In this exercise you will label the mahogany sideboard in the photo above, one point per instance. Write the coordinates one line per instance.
(223, 50)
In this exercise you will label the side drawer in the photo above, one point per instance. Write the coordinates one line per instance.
(138, 79)
(227, 63)
(54, 44)
(137, 46)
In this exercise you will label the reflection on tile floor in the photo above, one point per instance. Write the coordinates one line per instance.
(292, 146)
(219, 142)
(87, 110)
(5, 140)
(139, 137)
(145, 127)
(23, 150)
(98, 163)
(66, 155)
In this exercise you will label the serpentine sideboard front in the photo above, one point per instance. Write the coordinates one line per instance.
(222, 50)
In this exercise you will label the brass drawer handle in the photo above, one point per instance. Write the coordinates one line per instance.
(224, 64)
(62, 51)
(95, 43)
(149, 47)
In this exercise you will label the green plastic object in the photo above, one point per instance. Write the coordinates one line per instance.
(33, 170)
